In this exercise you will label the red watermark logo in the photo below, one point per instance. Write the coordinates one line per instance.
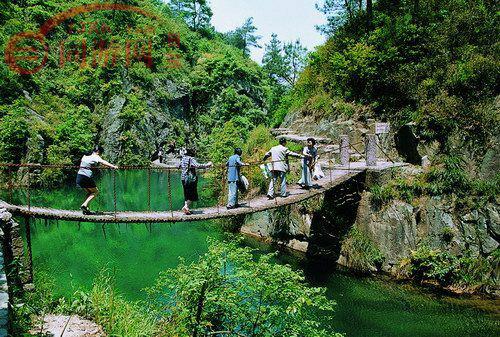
(93, 43)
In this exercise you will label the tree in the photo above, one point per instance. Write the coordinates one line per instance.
(295, 59)
(273, 61)
(284, 62)
(196, 13)
(244, 37)
(14, 134)
(337, 12)
(229, 292)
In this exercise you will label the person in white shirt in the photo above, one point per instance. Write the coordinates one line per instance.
(279, 167)
(84, 177)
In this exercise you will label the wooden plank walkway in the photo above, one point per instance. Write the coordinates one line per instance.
(337, 176)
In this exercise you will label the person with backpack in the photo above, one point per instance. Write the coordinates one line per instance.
(188, 166)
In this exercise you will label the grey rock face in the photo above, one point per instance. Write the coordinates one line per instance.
(436, 226)
(487, 243)
(286, 223)
(165, 103)
(393, 230)
(112, 128)
(398, 228)
(493, 221)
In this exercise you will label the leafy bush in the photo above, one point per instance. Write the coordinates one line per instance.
(449, 269)
(14, 133)
(227, 289)
(381, 195)
(446, 178)
(320, 105)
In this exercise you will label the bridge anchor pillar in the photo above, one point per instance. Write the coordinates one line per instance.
(371, 150)
(344, 150)
(18, 265)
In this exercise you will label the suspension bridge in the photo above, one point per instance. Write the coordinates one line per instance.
(333, 175)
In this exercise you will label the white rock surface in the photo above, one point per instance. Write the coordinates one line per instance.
(69, 326)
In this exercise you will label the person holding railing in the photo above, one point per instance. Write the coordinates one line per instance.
(84, 177)
(311, 155)
(189, 178)
(279, 167)
(234, 164)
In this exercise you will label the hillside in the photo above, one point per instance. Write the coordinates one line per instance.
(432, 65)
(431, 69)
(131, 103)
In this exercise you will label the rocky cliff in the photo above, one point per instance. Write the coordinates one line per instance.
(347, 226)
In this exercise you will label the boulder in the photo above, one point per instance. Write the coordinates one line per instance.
(493, 221)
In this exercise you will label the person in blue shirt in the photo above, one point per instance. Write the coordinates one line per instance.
(233, 176)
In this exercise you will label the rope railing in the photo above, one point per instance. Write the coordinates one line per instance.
(168, 170)
(383, 151)
(221, 170)
(121, 167)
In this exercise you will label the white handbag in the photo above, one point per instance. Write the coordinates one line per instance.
(318, 173)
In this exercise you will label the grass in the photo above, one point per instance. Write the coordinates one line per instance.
(360, 251)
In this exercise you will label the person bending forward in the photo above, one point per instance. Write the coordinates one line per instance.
(84, 177)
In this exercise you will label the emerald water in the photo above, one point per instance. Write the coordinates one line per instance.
(73, 254)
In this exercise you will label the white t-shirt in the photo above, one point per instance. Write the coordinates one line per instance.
(87, 163)
(279, 156)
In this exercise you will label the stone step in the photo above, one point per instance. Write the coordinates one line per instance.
(280, 131)
(303, 139)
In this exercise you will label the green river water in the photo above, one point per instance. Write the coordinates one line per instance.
(73, 254)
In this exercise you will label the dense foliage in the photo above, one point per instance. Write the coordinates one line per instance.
(450, 270)
(228, 291)
(430, 64)
(447, 178)
(434, 63)
(187, 88)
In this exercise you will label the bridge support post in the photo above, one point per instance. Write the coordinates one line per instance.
(16, 263)
(29, 258)
(371, 150)
(344, 150)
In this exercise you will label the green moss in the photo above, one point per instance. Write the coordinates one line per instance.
(360, 251)
(446, 177)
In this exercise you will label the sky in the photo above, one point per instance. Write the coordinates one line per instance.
(290, 19)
